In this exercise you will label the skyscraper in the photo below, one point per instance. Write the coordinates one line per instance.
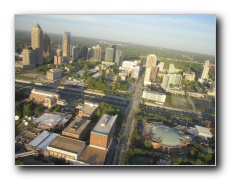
(66, 40)
(97, 53)
(118, 58)
(109, 54)
(171, 79)
(147, 80)
(46, 45)
(37, 43)
(171, 68)
(154, 71)
(205, 70)
(28, 58)
(114, 51)
(161, 66)
(75, 52)
(151, 60)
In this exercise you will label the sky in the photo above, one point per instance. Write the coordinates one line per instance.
(193, 33)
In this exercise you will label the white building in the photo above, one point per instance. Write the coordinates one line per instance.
(202, 131)
(171, 79)
(161, 66)
(53, 74)
(171, 68)
(205, 70)
(147, 80)
(154, 96)
(151, 60)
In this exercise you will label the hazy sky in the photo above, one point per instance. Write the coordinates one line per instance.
(194, 33)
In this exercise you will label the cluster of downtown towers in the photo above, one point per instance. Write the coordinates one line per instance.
(40, 47)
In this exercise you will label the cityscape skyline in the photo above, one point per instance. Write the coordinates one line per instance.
(192, 33)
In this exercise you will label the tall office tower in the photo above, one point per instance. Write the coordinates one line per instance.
(59, 52)
(97, 53)
(205, 70)
(75, 52)
(166, 81)
(151, 60)
(84, 52)
(118, 58)
(114, 51)
(171, 68)
(66, 40)
(161, 66)
(154, 71)
(46, 45)
(147, 80)
(57, 59)
(109, 54)
(37, 43)
(90, 54)
(28, 57)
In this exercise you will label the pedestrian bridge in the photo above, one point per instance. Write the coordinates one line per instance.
(25, 154)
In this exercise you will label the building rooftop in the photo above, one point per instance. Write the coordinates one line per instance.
(43, 140)
(202, 130)
(67, 144)
(77, 126)
(104, 124)
(49, 119)
(88, 109)
(93, 155)
(44, 93)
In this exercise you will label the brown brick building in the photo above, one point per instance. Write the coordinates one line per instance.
(102, 134)
(77, 129)
(48, 99)
(87, 110)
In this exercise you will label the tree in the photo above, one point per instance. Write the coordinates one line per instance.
(148, 143)
(208, 157)
(85, 67)
(19, 162)
(198, 162)
(192, 152)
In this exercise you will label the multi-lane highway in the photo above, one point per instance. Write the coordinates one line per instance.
(126, 132)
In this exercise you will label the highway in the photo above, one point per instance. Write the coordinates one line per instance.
(126, 133)
(72, 94)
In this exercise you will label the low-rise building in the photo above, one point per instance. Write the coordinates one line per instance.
(77, 129)
(53, 74)
(41, 142)
(46, 98)
(49, 121)
(154, 96)
(93, 155)
(87, 111)
(202, 131)
(65, 148)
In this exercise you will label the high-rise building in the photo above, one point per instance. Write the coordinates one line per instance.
(114, 51)
(37, 43)
(46, 45)
(205, 70)
(75, 52)
(102, 134)
(171, 79)
(84, 52)
(171, 68)
(59, 52)
(151, 60)
(161, 66)
(90, 54)
(66, 40)
(57, 60)
(109, 54)
(53, 74)
(97, 53)
(28, 57)
(147, 80)
(118, 59)
(154, 71)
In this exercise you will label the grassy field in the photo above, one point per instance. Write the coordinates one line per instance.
(177, 101)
